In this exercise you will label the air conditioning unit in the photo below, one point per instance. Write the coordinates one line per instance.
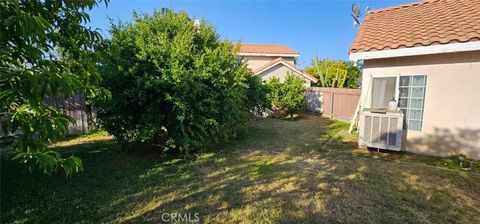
(381, 130)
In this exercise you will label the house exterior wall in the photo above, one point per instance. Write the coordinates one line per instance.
(255, 62)
(451, 119)
(280, 71)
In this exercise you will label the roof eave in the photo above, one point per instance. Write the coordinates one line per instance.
(289, 66)
(416, 51)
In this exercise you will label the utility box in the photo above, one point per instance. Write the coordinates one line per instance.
(382, 130)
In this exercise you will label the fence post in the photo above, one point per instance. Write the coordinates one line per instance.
(332, 94)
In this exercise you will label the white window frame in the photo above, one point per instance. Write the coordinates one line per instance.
(397, 92)
(397, 79)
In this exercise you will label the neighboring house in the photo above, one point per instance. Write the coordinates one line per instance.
(426, 55)
(269, 60)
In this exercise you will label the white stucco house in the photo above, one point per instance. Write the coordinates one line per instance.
(269, 60)
(425, 55)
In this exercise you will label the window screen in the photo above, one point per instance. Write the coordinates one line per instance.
(383, 91)
(412, 99)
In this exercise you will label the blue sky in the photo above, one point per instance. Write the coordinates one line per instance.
(311, 26)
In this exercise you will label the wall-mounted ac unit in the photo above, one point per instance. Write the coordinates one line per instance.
(381, 130)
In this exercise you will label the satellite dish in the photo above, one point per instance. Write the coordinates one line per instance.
(356, 10)
(357, 13)
(356, 22)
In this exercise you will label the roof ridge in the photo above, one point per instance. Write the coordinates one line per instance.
(403, 6)
(274, 61)
(282, 60)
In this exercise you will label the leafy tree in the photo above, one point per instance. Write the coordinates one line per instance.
(45, 51)
(174, 84)
(334, 73)
(354, 72)
(275, 93)
(289, 95)
(257, 100)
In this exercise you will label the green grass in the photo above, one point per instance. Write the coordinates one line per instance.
(283, 171)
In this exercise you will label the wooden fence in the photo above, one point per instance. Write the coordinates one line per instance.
(76, 109)
(333, 102)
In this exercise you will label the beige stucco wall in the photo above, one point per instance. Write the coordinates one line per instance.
(280, 71)
(255, 62)
(451, 123)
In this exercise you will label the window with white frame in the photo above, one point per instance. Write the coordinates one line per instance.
(411, 100)
(383, 91)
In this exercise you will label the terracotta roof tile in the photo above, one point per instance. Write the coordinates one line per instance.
(267, 49)
(419, 24)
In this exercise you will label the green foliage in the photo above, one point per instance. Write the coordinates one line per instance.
(174, 84)
(45, 51)
(334, 73)
(275, 93)
(289, 95)
(354, 73)
(257, 100)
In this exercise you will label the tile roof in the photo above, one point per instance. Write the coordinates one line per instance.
(419, 24)
(281, 60)
(267, 49)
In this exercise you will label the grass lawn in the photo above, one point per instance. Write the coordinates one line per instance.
(284, 171)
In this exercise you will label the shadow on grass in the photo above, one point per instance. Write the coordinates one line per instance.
(302, 171)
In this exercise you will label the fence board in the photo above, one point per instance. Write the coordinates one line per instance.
(75, 108)
(334, 102)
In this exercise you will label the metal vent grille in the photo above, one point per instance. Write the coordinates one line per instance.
(384, 130)
(368, 128)
(381, 130)
(392, 139)
(375, 130)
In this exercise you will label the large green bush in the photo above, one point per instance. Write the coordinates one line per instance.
(174, 84)
(288, 96)
(257, 100)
